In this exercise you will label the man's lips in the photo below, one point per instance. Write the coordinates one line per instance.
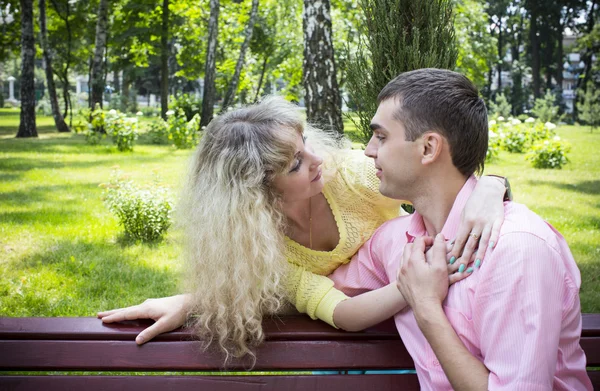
(378, 172)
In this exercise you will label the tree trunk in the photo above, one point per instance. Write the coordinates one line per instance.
(27, 126)
(500, 57)
(535, 52)
(261, 78)
(232, 89)
(208, 98)
(59, 121)
(97, 76)
(322, 95)
(164, 61)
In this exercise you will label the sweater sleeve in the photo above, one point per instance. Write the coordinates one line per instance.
(313, 294)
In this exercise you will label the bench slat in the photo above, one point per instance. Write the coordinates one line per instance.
(216, 383)
(187, 356)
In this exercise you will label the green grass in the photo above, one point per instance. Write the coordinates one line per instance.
(61, 251)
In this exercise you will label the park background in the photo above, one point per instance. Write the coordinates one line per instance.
(108, 98)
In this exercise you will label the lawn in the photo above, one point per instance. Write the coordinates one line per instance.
(61, 252)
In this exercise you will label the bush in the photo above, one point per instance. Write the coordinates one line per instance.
(549, 153)
(516, 139)
(186, 103)
(144, 213)
(159, 132)
(150, 111)
(501, 107)
(545, 108)
(95, 129)
(183, 134)
(122, 130)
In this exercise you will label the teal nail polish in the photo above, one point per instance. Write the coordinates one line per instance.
(470, 270)
(491, 245)
(477, 263)
(452, 260)
(461, 268)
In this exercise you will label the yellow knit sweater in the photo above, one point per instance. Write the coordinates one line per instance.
(359, 209)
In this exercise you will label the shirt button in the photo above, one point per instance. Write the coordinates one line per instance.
(436, 363)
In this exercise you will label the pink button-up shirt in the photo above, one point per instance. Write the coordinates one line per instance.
(519, 313)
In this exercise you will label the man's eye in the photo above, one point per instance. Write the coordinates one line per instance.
(380, 138)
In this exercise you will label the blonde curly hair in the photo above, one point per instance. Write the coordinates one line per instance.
(234, 227)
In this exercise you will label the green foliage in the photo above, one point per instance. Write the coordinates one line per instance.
(401, 35)
(549, 153)
(545, 109)
(144, 212)
(188, 104)
(477, 48)
(589, 106)
(181, 133)
(122, 130)
(501, 107)
(159, 132)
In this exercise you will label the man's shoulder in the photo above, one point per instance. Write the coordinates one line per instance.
(520, 220)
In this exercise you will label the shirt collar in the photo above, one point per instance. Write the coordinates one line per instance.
(416, 226)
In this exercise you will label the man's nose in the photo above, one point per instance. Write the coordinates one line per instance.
(371, 150)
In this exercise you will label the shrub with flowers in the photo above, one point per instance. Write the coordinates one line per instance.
(95, 129)
(122, 130)
(144, 212)
(181, 133)
(159, 131)
(549, 153)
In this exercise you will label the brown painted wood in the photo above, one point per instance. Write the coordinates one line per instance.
(187, 356)
(286, 328)
(216, 383)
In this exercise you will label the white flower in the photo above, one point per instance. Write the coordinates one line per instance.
(170, 112)
(501, 118)
(549, 125)
(556, 138)
(530, 120)
(139, 113)
(112, 112)
(492, 123)
(515, 121)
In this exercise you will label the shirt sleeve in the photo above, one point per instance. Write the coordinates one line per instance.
(365, 272)
(313, 294)
(518, 312)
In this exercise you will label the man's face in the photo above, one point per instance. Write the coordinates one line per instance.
(397, 160)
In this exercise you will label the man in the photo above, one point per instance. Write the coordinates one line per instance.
(515, 323)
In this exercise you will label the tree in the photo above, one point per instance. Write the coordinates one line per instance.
(98, 71)
(209, 96)
(27, 127)
(321, 92)
(164, 61)
(589, 106)
(233, 85)
(401, 35)
(59, 121)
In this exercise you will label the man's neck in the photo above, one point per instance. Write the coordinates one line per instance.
(436, 200)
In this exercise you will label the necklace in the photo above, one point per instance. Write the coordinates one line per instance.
(310, 223)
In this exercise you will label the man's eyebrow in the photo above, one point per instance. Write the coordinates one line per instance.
(376, 127)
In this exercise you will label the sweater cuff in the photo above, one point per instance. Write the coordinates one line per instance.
(327, 305)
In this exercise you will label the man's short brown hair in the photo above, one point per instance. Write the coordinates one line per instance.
(447, 102)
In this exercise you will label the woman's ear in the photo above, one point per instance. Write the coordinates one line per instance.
(433, 144)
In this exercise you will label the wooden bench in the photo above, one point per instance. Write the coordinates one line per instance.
(295, 343)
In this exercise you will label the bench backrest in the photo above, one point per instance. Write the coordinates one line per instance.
(292, 344)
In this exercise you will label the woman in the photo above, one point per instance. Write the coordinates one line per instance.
(259, 195)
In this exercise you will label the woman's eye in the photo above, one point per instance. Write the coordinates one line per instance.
(296, 166)
(380, 138)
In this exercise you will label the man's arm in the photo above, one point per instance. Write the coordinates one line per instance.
(424, 285)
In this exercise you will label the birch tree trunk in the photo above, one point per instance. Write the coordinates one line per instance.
(164, 61)
(208, 98)
(232, 89)
(322, 95)
(59, 121)
(27, 126)
(97, 76)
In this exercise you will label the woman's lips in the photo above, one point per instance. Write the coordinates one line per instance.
(317, 177)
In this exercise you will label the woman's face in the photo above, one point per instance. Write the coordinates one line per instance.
(304, 176)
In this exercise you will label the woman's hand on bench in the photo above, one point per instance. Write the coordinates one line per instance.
(168, 313)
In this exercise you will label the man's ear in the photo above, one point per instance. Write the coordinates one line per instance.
(433, 144)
